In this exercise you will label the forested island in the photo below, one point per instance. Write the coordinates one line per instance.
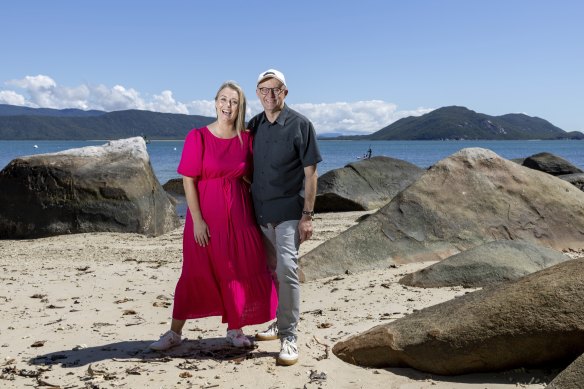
(446, 123)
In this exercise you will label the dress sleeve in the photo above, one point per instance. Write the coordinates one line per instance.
(191, 161)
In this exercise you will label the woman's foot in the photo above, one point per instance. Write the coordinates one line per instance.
(237, 338)
(167, 340)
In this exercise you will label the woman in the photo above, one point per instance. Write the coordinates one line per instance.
(224, 269)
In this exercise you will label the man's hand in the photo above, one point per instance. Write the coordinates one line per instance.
(305, 228)
(310, 183)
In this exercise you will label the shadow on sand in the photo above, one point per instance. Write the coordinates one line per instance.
(517, 376)
(217, 349)
(138, 351)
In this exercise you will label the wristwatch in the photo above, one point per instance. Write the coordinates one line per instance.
(308, 213)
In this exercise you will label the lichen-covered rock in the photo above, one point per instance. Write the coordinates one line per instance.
(551, 164)
(535, 321)
(174, 186)
(572, 377)
(96, 188)
(486, 264)
(472, 197)
(576, 179)
(364, 185)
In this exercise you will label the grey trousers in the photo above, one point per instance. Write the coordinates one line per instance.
(282, 242)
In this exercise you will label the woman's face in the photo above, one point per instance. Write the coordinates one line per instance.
(227, 105)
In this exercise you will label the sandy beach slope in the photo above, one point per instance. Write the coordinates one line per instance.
(79, 311)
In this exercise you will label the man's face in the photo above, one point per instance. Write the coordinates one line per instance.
(271, 100)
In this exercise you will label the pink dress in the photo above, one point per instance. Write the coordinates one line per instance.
(229, 277)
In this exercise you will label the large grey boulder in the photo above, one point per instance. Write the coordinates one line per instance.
(97, 188)
(570, 378)
(535, 321)
(487, 264)
(551, 164)
(576, 179)
(364, 185)
(472, 197)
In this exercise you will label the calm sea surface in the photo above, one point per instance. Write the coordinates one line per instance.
(165, 155)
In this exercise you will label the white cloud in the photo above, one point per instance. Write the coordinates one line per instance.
(11, 97)
(354, 117)
(43, 91)
(164, 102)
(253, 108)
(114, 99)
(39, 82)
(202, 107)
(344, 117)
(40, 89)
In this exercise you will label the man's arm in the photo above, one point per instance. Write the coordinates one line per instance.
(310, 184)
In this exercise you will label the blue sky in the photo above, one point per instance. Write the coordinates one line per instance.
(351, 66)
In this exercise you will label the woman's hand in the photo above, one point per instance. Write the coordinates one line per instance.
(201, 232)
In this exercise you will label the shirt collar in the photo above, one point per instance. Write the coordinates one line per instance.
(281, 119)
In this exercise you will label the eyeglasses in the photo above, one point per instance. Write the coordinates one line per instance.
(265, 91)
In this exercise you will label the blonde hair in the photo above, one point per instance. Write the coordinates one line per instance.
(241, 107)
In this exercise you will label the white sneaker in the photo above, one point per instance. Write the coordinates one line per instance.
(270, 334)
(288, 352)
(167, 340)
(237, 338)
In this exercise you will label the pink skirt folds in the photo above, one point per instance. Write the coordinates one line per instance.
(229, 277)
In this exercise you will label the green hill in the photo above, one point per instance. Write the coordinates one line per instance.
(24, 123)
(461, 123)
(60, 124)
(16, 110)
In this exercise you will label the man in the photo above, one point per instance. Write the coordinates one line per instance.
(284, 191)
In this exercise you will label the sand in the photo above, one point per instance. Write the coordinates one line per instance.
(79, 311)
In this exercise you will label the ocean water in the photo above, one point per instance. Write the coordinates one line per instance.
(165, 155)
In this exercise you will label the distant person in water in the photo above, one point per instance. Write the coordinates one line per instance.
(369, 152)
(224, 271)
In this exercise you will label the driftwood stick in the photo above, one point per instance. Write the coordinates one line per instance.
(326, 347)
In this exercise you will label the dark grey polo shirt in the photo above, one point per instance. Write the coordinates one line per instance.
(281, 151)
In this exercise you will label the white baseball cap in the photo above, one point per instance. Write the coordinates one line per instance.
(272, 73)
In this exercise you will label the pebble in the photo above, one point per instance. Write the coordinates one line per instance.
(9, 360)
